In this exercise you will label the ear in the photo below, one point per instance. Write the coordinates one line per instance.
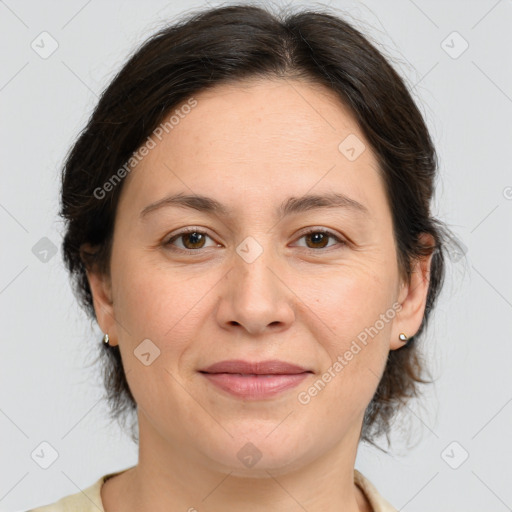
(101, 290)
(413, 297)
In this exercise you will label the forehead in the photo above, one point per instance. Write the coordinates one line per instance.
(269, 114)
(258, 139)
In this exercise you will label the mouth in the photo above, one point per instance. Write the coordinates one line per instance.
(254, 380)
(269, 367)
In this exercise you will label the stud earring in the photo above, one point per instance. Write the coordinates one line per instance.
(105, 339)
(403, 337)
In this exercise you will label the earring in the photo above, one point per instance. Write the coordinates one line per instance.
(105, 339)
(403, 337)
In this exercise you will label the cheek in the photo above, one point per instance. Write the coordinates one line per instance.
(152, 306)
(349, 300)
(349, 377)
(357, 309)
(149, 300)
(166, 308)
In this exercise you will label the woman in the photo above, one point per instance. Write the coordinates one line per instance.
(248, 220)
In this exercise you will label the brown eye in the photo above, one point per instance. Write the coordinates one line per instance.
(195, 239)
(319, 239)
(191, 240)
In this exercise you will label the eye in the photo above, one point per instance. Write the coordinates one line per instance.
(319, 238)
(192, 239)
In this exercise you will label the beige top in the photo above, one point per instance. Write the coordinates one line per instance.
(89, 500)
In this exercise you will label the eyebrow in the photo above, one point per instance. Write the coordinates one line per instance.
(290, 206)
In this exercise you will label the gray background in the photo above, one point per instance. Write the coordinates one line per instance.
(51, 391)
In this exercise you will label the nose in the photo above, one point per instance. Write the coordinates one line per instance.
(254, 297)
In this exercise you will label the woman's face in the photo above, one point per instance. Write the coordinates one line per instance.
(251, 284)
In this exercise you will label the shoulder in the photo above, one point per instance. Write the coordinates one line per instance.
(378, 503)
(87, 500)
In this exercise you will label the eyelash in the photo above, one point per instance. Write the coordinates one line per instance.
(187, 231)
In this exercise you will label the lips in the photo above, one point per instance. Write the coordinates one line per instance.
(241, 367)
(254, 381)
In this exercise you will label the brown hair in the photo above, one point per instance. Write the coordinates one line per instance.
(226, 45)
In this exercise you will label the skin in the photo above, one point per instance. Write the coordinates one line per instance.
(251, 146)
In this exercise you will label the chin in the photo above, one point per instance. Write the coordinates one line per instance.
(260, 455)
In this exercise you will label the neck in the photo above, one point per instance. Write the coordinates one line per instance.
(175, 476)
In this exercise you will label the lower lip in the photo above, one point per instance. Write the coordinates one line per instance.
(255, 386)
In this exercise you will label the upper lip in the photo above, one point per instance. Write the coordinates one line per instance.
(270, 367)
